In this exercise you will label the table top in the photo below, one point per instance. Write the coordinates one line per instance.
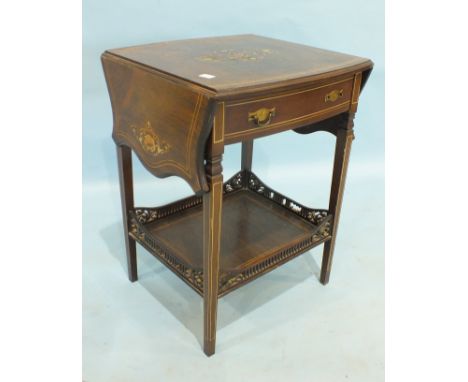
(235, 62)
(168, 97)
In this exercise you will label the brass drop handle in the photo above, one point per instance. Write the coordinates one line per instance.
(333, 95)
(262, 116)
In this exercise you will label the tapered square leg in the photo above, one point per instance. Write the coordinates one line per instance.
(327, 256)
(124, 157)
(212, 212)
(344, 139)
(247, 153)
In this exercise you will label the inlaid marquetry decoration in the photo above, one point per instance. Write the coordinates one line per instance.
(236, 55)
(141, 217)
(178, 105)
(149, 140)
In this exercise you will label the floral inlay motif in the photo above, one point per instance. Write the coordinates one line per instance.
(149, 140)
(236, 55)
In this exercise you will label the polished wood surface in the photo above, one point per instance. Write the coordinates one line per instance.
(212, 217)
(164, 110)
(167, 125)
(247, 154)
(241, 61)
(342, 153)
(124, 159)
(344, 139)
(259, 229)
(291, 109)
(251, 230)
(177, 104)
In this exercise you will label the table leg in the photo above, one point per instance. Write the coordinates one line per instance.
(344, 138)
(247, 151)
(246, 163)
(124, 157)
(212, 212)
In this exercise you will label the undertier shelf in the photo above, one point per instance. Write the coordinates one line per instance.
(260, 230)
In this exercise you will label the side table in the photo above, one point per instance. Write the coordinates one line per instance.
(177, 104)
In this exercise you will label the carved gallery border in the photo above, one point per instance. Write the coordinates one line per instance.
(140, 217)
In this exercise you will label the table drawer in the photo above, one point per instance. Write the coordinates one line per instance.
(289, 109)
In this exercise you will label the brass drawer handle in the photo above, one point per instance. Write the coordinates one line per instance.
(333, 95)
(262, 116)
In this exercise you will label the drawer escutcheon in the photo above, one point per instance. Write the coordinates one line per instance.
(262, 116)
(333, 95)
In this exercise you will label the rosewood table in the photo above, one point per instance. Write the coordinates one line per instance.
(177, 104)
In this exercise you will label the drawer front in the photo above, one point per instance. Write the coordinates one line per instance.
(288, 110)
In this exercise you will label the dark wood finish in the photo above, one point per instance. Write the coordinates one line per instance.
(247, 154)
(260, 229)
(342, 152)
(212, 213)
(253, 229)
(166, 124)
(344, 139)
(177, 104)
(164, 110)
(242, 63)
(292, 109)
(124, 159)
(330, 125)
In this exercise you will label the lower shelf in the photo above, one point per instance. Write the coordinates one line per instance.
(261, 229)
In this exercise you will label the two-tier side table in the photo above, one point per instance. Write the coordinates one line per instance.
(177, 104)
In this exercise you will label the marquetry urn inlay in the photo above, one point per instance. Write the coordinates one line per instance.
(149, 140)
